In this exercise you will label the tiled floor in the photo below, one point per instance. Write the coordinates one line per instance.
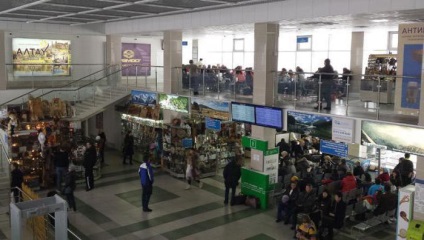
(112, 211)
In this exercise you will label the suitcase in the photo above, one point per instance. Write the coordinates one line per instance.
(239, 200)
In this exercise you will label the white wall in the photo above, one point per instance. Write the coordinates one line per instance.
(85, 49)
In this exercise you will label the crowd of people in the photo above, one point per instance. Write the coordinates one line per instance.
(332, 85)
(217, 78)
(321, 191)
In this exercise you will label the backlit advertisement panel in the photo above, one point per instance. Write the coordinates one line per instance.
(41, 57)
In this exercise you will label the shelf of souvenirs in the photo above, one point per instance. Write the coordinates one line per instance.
(143, 121)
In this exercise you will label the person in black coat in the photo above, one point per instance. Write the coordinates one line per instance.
(128, 149)
(232, 174)
(17, 178)
(69, 188)
(283, 146)
(288, 203)
(324, 202)
(90, 158)
(336, 217)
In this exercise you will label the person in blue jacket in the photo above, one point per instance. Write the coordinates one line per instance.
(146, 177)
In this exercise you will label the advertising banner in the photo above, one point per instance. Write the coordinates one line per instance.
(409, 65)
(271, 164)
(411, 84)
(343, 129)
(395, 137)
(143, 97)
(256, 184)
(309, 124)
(174, 102)
(136, 54)
(257, 144)
(41, 57)
(333, 148)
(405, 210)
(210, 108)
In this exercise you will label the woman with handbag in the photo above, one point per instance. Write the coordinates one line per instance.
(69, 188)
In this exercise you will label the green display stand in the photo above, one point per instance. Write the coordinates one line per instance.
(415, 230)
(254, 183)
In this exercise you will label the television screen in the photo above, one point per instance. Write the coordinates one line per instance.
(241, 112)
(174, 102)
(395, 137)
(41, 57)
(143, 97)
(269, 117)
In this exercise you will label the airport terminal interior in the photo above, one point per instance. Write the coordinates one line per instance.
(211, 119)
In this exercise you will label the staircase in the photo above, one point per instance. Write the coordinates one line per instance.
(94, 105)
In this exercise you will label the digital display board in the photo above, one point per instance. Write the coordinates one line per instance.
(41, 57)
(241, 112)
(269, 117)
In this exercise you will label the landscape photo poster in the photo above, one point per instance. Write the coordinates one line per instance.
(397, 138)
(174, 102)
(314, 125)
(41, 57)
(143, 97)
(210, 108)
(136, 59)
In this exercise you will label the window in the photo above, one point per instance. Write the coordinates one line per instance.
(393, 41)
(238, 45)
(304, 43)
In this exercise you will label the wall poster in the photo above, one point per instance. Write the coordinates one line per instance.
(41, 57)
(136, 54)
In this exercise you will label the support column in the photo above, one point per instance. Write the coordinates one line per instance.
(172, 63)
(266, 62)
(3, 70)
(113, 57)
(356, 57)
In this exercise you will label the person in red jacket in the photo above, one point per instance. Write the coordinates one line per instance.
(384, 176)
(348, 183)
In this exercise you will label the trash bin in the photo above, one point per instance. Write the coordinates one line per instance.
(415, 230)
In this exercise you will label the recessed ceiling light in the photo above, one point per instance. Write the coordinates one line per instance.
(379, 20)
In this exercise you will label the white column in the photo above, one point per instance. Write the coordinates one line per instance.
(113, 49)
(266, 61)
(356, 59)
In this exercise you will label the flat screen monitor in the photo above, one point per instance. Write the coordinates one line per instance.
(269, 117)
(242, 112)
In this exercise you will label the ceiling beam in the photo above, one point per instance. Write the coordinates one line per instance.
(23, 6)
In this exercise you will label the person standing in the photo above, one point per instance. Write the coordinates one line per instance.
(283, 146)
(326, 84)
(336, 217)
(17, 178)
(192, 172)
(69, 188)
(101, 143)
(128, 150)
(194, 72)
(61, 163)
(232, 174)
(146, 177)
(90, 156)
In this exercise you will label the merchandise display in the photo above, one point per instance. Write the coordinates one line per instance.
(144, 121)
(379, 64)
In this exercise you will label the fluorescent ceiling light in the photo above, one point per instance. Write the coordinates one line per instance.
(379, 20)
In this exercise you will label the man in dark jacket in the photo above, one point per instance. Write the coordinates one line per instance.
(69, 188)
(128, 150)
(283, 146)
(288, 203)
(327, 82)
(90, 156)
(232, 174)
(306, 203)
(336, 217)
(61, 164)
(146, 177)
(17, 178)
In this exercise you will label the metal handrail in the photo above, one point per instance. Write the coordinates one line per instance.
(83, 86)
(66, 85)
(30, 198)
